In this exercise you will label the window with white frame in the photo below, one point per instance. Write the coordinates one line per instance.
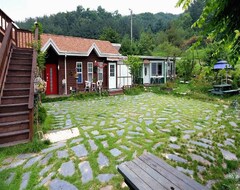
(157, 69)
(90, 71)
(100, 71)
(79, 72)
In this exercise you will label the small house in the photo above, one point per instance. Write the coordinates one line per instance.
(71, 61)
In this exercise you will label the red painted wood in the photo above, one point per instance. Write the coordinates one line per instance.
(51, 79)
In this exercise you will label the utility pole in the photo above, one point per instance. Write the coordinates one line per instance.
(131, 26)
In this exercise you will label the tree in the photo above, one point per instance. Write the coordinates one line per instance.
(135, 66)
(220, 21)
(110, 35)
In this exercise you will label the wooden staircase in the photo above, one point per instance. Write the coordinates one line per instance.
(14, 112)
(17, 67)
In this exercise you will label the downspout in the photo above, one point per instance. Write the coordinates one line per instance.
(65, 73)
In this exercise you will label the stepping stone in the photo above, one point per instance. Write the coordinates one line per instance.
(115, 152)
(206, 141)
(121, 120)
(102, 123)
(148, 122)
(86, 171)
(62, 154)
(186, 137)
(92, 145)
(67, 169)
(102, 160)
(186, 171)
(100, 137)
(25, 156)
(204, 145)
(54, 147)
(105, 177)
(76, 140)
(46, 179)
(10, 178)
(173, 139)
(120, 132)
(110, 129)
(32, 161)
(44, 170)
(86, 134)
(228, 155)
(233, 124)
(105, 144)
(189, 131)
(201, 168)
(95, 132)
(200, 159)
(80, 150)
(25, 180)
(207, 156)
(62, 135)
(45, 160)
(174, 146)
(149, 130)
(135, 144)
(109, 187)
(176, 158)
(157, 145)
(124, 147)
(58, 184)
(87, 127)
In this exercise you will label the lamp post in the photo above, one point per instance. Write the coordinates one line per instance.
(131, 26)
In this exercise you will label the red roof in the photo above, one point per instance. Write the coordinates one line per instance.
(77, 45)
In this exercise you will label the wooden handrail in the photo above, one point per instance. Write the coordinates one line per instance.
(34, 66)
(4, 57)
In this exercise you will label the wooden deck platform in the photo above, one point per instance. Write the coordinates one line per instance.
(149, 172)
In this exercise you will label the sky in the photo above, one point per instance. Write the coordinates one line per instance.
(19, 10)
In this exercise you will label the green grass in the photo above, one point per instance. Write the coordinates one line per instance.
(137, 109)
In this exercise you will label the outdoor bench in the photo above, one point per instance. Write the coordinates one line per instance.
(150, 172)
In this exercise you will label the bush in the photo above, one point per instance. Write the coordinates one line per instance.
(42, 114)
(136, 90)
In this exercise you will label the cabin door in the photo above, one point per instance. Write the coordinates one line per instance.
(112, 75)
(51, 79)
(146, 74)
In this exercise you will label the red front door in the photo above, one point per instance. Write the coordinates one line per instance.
(51, 78)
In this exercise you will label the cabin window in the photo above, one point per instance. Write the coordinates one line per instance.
(157, 68)
(100, 71)
(79, 72)
(90, 71)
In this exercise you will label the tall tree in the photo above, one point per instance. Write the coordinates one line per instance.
(223, 22)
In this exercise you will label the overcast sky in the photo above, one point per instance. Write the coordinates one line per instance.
(19, 10)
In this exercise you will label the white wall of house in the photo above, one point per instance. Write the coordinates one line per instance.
(123, 75)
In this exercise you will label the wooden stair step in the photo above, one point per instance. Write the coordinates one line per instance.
(15, 99)
(13, 113)
(14, 123)
(14, 133)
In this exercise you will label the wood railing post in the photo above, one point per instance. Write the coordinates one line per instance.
(31, 92)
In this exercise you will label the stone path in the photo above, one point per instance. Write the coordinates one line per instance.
(196, 137)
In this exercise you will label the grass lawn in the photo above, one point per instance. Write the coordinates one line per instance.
(199, 138)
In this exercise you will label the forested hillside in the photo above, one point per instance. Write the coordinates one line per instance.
(153, 34)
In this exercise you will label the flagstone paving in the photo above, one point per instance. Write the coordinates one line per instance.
(195, 137)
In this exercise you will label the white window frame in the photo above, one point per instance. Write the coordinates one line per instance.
(90, 71)
(100, 71)
(79, 71)
(157, 63)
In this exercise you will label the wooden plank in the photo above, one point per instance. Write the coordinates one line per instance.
(174, 179)
(143, 174)
(156, 176)
(131, 178)
(176, 176)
